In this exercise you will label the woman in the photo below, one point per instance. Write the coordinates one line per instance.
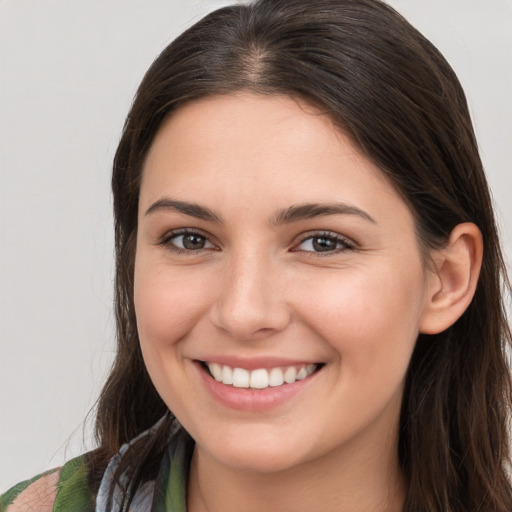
(308, 279)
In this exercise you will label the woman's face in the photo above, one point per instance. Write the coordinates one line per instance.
(279, 285)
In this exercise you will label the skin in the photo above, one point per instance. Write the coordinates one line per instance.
(259, 289)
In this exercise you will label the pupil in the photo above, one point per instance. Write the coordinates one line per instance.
(193, 242)
(324, 244)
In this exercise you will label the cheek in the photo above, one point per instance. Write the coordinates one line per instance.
(167, 305)
(370, 319)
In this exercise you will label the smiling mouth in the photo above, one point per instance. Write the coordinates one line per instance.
(260, 378)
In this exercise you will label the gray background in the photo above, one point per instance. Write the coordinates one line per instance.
(68, 71)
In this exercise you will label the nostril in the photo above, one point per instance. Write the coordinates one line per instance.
(248, 320)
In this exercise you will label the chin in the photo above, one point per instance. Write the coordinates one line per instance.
(254, 459)
(254, 454)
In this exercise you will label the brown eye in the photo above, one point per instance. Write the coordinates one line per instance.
(193, 242)
(324, 243)
(190, 242)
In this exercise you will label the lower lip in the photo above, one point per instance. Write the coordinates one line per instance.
(253, 400)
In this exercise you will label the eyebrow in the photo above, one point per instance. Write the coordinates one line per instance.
(286, 216)
(190, 209)
(312, 210)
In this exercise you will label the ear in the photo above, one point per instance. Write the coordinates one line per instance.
(452, 283)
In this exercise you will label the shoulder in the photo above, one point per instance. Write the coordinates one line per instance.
(34, 495)
(61, 489)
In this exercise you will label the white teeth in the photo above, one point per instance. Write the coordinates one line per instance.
(216, 371)
(290, 374)
(227, 375)
(240, 378)
(275, 377)
(260, 378)
(301, 374)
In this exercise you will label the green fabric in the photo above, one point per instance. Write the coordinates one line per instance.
(72, 488)
(7, 498)
(171, 484)
(73, 494)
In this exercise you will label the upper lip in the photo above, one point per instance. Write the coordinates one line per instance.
(255, 363)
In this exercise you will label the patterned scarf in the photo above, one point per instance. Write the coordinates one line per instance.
(167, 493)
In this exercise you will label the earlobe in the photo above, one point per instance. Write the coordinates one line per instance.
(452, 284)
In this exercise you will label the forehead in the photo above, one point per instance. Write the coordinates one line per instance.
(256, 149)
(249, 119)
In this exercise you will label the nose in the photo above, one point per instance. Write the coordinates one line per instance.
(250, 303)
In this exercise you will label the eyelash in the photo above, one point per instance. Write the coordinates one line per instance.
(347, 244)
(167, 242)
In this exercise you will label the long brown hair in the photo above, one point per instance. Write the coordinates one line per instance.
(392, 91)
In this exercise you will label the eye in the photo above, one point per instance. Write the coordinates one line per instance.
(186, 241)
(324, 243)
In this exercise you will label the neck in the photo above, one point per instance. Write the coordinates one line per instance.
(362, 477)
